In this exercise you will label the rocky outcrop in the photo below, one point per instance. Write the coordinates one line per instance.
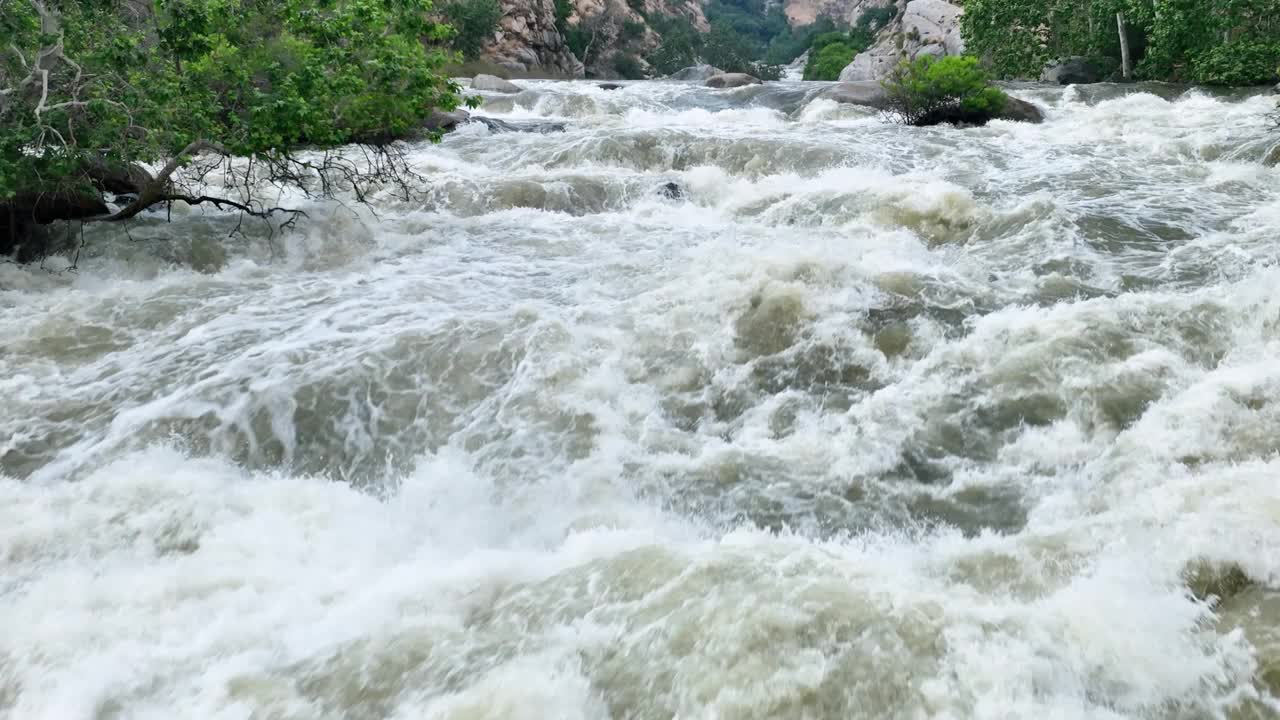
(1071, 71)
(491, 83)
(925, 27)
(528, 41)
(844, 12)
(731, 80)
(871, 94)
(866, 93)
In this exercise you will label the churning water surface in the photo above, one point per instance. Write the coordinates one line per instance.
(861, 421)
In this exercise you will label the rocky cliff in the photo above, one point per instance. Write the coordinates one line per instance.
(529, 39)
(844, 12)
(923, 27)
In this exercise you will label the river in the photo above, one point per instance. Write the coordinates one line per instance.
(852, 421)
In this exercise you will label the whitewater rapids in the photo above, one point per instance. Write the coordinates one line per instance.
(865, 422)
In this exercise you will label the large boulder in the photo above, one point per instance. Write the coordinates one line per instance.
(446, 121)
(731, 80)
(696, 73)
(492, 83)
(866, 93)
(926, 27)
(1071, 71)
(872, 95)
(1021, 111)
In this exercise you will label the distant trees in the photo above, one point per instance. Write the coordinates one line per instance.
(1216, 42)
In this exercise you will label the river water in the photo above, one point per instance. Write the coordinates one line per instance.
(865, 421)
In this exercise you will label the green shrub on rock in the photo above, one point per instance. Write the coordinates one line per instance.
(931, 91)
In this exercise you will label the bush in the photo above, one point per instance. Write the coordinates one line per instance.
(628, 67)
(828, 62)
(1238, 64)
(930, 91)
(632, 30)
(473, 22)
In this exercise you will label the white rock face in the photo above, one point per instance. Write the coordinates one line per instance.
(926, 27)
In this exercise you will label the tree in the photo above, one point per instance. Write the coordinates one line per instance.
(473, 21)
(930, 91)
(146, 98)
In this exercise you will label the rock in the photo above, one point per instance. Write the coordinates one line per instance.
(493, 83)
(446, 121)
(926, 27)
(1276, 90)
(671, 191)
(697, 73)
(1071, 71)
(503, 126)
(1215, 582)
(1021, 111)
(866, 93)
(609, 86)
(731, 80)
(1273, 158)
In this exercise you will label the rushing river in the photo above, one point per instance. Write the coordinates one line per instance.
(854, 421)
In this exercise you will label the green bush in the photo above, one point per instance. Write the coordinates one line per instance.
(827, 63)
(1238, 64)
(473, 21)
(930, 91)
(628, 66)
(632, 30)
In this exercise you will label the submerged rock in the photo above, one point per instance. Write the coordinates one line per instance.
(609, 86)
(1273, 157)
(1071, 71)
(492, 83)
(696, 73)
(671, 191)
(731, 80)
(504, 126)
(1216, 583)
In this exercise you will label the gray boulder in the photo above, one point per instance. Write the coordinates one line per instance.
(446, 121)
(609, 86)
(697, 73)
(866, 93)
(1021, 111)
(1071, 71)
(731, 80)
(492, 83)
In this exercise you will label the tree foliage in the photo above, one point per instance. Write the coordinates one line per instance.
(952, 89)
(473, 22)
(831, 52)
(90, 90)
(1210, 41)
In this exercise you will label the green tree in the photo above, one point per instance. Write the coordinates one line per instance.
(1208, 41)
(827, 63)
(91, 90)
(930, 91)
(473, 22)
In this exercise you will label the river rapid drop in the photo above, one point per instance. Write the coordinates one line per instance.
(851, 421)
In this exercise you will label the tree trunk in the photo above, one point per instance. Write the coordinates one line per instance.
(1126, 66)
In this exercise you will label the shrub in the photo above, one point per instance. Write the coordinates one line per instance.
(632, 30)
(628, 66)
(1238, 64)
(930, 91)
(828, 62)
(473, 22)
